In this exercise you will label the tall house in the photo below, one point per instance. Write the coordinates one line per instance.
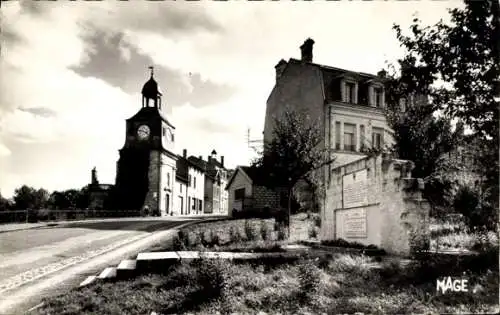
(216, 178)
(347, 105)
(146, 169)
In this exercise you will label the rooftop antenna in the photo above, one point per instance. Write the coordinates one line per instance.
(254, 144)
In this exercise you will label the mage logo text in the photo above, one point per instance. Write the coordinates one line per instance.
(454, 285)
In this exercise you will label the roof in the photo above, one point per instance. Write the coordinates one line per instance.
(210, 168)
(330, 76)
(146, 112)
(255, 175)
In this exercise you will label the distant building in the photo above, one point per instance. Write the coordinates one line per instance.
(98, 193)
(151, 176)
(347, 105)
(216, 197)
(247, 192)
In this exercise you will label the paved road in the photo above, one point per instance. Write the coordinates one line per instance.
(47, 260)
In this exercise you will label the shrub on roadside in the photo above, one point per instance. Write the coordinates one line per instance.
(215, 238)
(264, 230)
(313, 232)
(234, 235)
(213, 278)
(250, 231)
(178, 244)
(282, 232)
(309, 280)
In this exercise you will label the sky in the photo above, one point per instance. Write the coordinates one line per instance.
(71, 73)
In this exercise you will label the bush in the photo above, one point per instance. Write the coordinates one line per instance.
(313, 232)
(317, 220)
(234, 234)
(215, 238)
(250, 231)
(213, 278)
(178, 244)
(264, 230)
(309, 280)
(282, 232)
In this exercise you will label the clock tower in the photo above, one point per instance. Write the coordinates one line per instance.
(145, 174)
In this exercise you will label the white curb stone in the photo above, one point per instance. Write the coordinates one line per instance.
(107, 273)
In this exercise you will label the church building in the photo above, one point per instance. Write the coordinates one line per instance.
(150, 176)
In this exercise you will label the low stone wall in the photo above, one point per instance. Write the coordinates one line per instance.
(375, 201)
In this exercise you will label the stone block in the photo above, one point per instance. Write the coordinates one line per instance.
(88, 280)
(188, 256)
(108, 273)
(156, 260)
(126, 268)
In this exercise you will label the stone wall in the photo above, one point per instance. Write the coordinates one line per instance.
(264, 197)
(152, 200)
(375, 201)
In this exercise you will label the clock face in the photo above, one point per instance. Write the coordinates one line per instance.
(143, 132)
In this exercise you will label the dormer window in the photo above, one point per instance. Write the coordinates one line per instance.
(349, 92)
(377, 97)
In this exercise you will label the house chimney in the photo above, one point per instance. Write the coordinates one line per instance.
(184, 153)
(280, 67)
(222, 160)
(307, 50)
(200, 157)
(208, 158)
(382, 73)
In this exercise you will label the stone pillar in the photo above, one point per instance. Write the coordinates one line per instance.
(358, 138)
(341, 135)
(333, 133)
(356, 93)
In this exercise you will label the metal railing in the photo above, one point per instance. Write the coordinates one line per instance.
(47, 215)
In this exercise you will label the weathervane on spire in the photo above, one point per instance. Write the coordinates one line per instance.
(152, 70)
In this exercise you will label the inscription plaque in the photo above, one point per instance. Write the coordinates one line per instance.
(355, 190)
(355, 223)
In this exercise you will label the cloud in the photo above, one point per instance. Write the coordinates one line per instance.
(114, 60)
(39, 111)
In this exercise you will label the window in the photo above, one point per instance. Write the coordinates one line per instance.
(378, 97)
(239, 194)
(163, 131)
(168, 179)
(377, 138)
(189, 204)
(362, 136)
(180, 187)
(200, 204)
(194, 182)
(337, 135)
(172, 137)
(189, 180)
(349, 92)
(181, 202)
(349, 139)
(194, 203)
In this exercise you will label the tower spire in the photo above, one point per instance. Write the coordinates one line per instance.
(151, 68)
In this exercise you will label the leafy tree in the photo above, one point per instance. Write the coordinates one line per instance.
(67, 200)
(457, 66)
(27, 197)
(5, 204)
(295, 153)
